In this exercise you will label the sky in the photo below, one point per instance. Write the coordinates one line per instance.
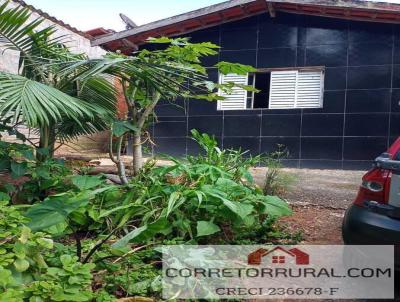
(89, 14)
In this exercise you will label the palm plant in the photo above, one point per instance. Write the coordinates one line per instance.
(148, 76)
(59, 106)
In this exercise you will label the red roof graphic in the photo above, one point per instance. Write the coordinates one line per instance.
(301, 257)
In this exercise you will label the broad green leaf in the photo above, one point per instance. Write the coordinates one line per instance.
(85, 182)
(25, 234)
(226, 67)
(5, 277)
(4, 164)
(21, 265)
(28, 154)
(121, 127)
(45, 242)
(143, 233)
(18, 169)
(205, 228)
(4, 196)
(274, 206)
(54, 210)
(240, 209)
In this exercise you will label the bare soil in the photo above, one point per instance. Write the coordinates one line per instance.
(319, 199)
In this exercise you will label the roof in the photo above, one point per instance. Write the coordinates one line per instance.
(53, 19)
(234, 10)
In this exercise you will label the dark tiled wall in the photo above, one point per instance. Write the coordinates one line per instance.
(361, 112)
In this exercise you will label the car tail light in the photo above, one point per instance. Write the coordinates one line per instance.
(375, 186)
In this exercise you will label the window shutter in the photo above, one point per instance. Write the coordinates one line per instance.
(309, 89)
(283, 89)
(238, 98)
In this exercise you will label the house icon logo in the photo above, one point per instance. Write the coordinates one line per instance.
(279, 255)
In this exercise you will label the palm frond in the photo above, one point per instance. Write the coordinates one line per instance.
(37, 104)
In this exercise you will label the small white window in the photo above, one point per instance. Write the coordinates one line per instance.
(237, 99)
(296, 89)
(278, 89)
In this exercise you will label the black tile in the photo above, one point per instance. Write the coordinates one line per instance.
(369, 77)
(281, 111)
(321, 164)
(368, 100)
(237, 39)
(202, 107)
(242, 125)
(395, 124)
(193, 147)
(362, 165)
(321, 148)
(363, 148)
(290, 163)
(170, 127)
(276, 57)
(370, 32)
(206, 35)
(370, 54)
(396, 54)
(395, 103)
(252, 144)
(322, 125)
(212, 74)
(326, 31)
(278, 32)
(206, 124)
(287, 144)
(396, 76)
(367, 124)
(209, 61)
(247, 57)
(243, 112)
(301, 56)
(281, 125)
(333, 102)
(170, 146)
(335, 78)
(250, 22)
(327, 55)
(171, 108)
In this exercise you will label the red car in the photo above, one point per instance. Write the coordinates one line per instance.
(374, 217)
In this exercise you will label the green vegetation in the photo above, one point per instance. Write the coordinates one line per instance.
(69, 236)
(87, 240)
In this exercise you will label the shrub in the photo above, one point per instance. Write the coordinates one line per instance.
(24, 270)
(277, 181)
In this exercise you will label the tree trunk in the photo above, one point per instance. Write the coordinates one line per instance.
(47, 141)
(137, 154)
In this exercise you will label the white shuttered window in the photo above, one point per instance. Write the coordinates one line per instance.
(238, 98)
(296, 89)
(283, 89)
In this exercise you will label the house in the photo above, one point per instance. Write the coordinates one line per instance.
(328, 71)
(278, 255)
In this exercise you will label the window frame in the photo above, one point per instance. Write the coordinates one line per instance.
(320, 69)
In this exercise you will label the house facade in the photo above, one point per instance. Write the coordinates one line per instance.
(329, 82)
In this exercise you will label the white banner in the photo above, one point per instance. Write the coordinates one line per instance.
(278, 272)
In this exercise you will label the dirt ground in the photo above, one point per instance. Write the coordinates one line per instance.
(318, 199)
